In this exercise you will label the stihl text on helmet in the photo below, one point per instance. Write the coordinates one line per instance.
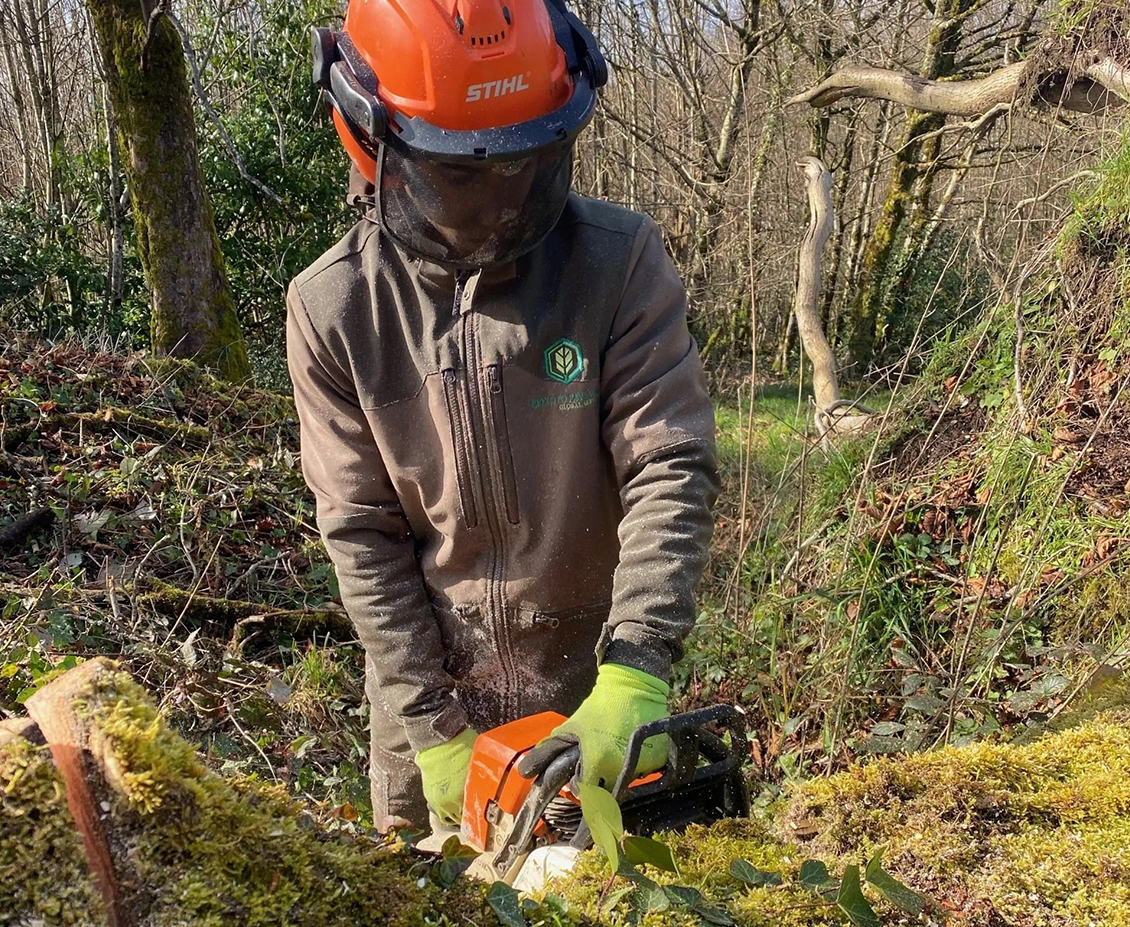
(496, 88)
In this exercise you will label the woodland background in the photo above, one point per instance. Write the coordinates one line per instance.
(953, 576)
(693, 130)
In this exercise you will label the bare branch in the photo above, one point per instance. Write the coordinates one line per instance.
(233, 152)
(1103, 85)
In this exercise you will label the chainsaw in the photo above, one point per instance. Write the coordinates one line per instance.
(507, 817)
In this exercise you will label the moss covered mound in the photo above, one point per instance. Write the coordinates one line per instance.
(43, 875)
(1037, 833)
(195, 850)
(1024, 835)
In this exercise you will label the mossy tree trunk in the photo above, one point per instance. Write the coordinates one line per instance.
(193, 314)
(907, 200)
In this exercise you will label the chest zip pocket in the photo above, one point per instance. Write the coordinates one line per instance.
(502, 442)
(461, 440)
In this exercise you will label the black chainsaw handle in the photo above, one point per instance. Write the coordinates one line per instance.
(678, 756)
(725, 715)
(545, 788)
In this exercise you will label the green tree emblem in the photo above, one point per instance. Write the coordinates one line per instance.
(564, 361)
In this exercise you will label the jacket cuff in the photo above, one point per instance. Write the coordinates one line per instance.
(437, 727)
(638, 649)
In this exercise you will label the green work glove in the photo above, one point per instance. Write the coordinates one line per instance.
(443, 773)
(622, 699)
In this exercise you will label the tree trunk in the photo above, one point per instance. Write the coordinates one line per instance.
(193, 314)
(909, 188)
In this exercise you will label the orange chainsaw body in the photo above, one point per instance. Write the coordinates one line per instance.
(507, 816)
(495, 789)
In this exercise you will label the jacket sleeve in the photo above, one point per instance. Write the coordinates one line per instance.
(369, 540)
(658, 423)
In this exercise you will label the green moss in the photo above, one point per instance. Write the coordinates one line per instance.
(704, 856)
(214, 852)
(44, 879)
(1038, 833)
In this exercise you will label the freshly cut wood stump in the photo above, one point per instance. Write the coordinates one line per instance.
(44, 877)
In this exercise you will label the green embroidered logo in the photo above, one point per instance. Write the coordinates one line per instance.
(564, 361)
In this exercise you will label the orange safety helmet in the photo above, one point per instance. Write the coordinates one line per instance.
(462, 113)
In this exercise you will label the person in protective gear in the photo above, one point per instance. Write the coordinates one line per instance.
(503, 416)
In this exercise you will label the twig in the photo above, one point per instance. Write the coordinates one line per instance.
(253, 569)
(1066, 182)
(975, 126)
(250, 740)
(151, 32)
(195, 587)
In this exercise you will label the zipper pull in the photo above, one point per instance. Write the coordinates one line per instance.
(449, 375)
(494, 379)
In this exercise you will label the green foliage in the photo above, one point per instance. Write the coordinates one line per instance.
(943, 292)
(281, 129)
(51, 283)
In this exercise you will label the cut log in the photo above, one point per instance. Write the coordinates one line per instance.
(52, 709)
(14, 729)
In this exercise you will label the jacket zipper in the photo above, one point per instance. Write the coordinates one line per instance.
(502, 442)
(496, 572)
(462, 448)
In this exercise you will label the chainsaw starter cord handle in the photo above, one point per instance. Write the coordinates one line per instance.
(622, 699)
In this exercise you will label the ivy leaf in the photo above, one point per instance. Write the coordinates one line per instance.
(602, 814)
(648, 898)
(457, 858)
(454, 848)
(711, 915)
(751, 875)
(851, 901)
(903, 898)
(505, 903)
(815, 877)
(612, 898)
(643, 850)
(684, 896)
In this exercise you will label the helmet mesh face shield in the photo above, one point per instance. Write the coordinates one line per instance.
(469, 215)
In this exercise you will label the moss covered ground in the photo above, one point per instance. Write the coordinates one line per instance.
(1025, 834)
(201, 850)
(988, 834)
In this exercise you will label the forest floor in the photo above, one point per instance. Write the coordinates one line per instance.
(860, 601)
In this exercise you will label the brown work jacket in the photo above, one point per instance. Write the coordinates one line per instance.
(512, 466)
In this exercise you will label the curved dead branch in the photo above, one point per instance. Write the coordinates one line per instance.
(834, 416)
(1102, 85)
(818, 184)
